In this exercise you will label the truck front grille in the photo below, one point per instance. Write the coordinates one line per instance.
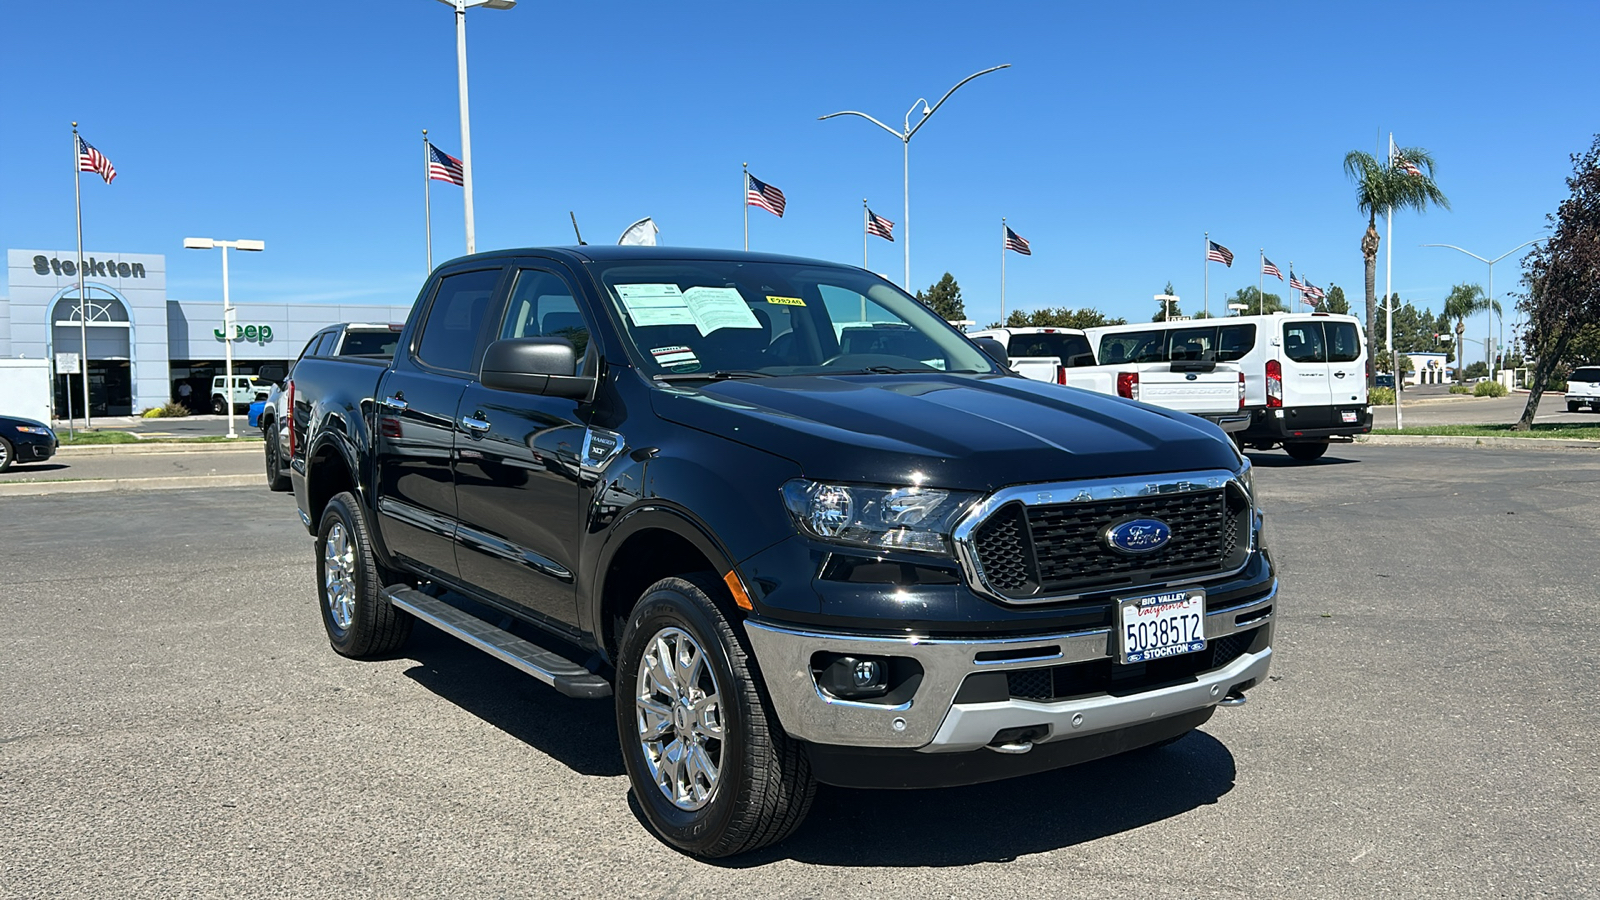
(1028, 553)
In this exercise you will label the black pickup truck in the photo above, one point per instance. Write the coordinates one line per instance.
(793, 525)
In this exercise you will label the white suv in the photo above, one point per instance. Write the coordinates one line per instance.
(245, 392)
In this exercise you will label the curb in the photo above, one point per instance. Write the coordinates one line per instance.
(100, 485)
(162, 447)
(1483, 443)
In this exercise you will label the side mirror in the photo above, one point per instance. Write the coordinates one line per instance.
(540, 365)
(994, 350)
(272, 373)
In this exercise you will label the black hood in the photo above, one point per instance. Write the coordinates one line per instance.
(963, 432)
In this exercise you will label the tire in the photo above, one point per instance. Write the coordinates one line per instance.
(359, 621)
(276, 480)
(7, 454)
(762, 787)
(219, 406)
(1306, 451)
(1572, 407)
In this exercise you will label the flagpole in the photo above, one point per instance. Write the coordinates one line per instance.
(1207, 264)
(1261, 283)
(744, 198)
(427, 202)
(864, 223)
(1002, 271)
(83, 306)
(1388, 303)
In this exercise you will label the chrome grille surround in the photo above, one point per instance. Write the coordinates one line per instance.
(1067, 493)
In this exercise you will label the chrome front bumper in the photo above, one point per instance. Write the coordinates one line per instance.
(931, 721)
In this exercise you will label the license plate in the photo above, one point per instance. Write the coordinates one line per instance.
(1349, 415)
(1163, 625)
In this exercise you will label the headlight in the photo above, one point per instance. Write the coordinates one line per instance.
(33, 429)
(887, 518)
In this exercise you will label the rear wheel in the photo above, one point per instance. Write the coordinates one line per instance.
(219, 406)
(6, 454)
(276, 480)
(1306, 451)
(359, 620)
(1572, 407)
(710, 766)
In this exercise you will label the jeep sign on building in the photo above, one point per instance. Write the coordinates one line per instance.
(143, 348)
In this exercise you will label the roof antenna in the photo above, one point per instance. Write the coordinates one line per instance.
(575, 230)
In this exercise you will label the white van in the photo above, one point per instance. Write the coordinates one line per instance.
(1305, 373)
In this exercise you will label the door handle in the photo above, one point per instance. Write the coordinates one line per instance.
(395, 403)
(476, 426)
(1338, 374)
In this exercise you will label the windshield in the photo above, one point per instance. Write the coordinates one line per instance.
(693, 318)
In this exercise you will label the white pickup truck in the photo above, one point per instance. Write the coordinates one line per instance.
(1583, 389)
(1201, 387)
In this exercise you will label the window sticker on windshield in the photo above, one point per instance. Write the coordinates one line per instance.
(785, 301)
(666, 357)
(715, 308)
(655, 304)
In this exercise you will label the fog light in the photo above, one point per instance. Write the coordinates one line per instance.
(854, 677)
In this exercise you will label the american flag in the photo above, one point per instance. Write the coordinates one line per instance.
(1313, 291)
(444, 167)
(1307, 300)
(1015, 242)
(92, 160)
(1411, 168)
(880, 226)
(1267, 268)
(759, 193)
(1215, 252)
(1294, 281)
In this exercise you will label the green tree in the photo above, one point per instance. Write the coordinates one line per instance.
(1059, 317)
(1167, 309)
(1465, 300)
(1563, 279)
(1257, 302)
(1336, 302)
(1385, 186)
(944, 298)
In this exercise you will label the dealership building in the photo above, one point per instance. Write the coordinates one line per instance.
(141, 345)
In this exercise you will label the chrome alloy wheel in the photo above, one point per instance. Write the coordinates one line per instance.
(678, 709)
(339, 576)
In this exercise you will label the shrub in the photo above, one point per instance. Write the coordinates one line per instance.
(1489, 389)
(169, 411)
(1460, 389)
(1381, 396)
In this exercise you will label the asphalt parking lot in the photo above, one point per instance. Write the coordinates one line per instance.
(174, 724)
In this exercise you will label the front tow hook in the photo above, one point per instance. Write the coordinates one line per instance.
(1234, 698)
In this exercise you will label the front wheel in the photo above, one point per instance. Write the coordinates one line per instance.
(359, 620)
(710, 766)
(6, 454)
(219, 406)
(1307, 451)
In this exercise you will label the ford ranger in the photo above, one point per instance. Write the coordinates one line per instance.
(793, 526)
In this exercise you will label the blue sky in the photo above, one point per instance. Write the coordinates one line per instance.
(1121, 133)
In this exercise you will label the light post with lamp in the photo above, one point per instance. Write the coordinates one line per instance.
(1166, 309)
(904, 135)
(1238, 308)
(461, 7)
(227, 308)
(1488, 363)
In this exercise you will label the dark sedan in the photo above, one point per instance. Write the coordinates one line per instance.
(24, 441)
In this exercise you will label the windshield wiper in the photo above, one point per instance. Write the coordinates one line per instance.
(718, 375)
(880, 370)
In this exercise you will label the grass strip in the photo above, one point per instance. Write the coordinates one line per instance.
(87, 438)
(1561, 431)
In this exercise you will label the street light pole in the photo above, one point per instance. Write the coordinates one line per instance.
(227, 310)
(461, 6)
(1488, 363)
(904, 136)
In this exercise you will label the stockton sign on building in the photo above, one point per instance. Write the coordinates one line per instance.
(92, 268)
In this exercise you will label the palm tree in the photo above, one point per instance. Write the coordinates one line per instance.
(1465, 300)
(1405, 181)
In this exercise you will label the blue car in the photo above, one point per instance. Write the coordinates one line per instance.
(255, 413)
(25, 441)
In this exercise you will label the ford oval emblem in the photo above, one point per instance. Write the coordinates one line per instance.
(1137, 536)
